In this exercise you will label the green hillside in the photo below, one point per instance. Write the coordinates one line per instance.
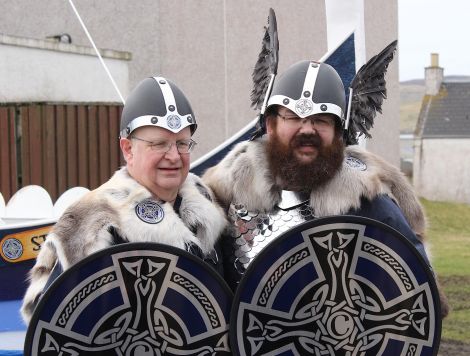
(411, 94)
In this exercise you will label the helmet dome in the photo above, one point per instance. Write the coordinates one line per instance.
(157, 101)
(308, 88)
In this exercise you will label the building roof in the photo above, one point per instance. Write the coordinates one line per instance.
(447, 114)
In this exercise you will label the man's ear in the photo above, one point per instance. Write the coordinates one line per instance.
(270, 125)
(126, 148)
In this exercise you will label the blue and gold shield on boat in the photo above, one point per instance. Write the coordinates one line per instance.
(133, 299)
(337, 286)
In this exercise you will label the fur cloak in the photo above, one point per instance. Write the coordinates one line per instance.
(243, 177)
(84, 228)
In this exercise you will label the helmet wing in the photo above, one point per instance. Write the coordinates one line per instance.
(264, 72)
(368, 90)
(267, 62)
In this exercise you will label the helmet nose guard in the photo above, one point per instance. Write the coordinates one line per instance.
(308, 88)
(157, 102)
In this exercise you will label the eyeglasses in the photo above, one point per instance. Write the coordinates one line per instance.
(321, 122)
(182, 146)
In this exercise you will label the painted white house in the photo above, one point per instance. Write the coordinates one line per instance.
(441, 165)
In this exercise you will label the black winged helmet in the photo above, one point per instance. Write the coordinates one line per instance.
(308, 88)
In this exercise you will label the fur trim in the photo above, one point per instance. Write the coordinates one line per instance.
(197, 211)
(38, 277)
(243, 176)
(84, 227)
(247, 163)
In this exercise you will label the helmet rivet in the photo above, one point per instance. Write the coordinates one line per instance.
(306, 93)
(190, 119)
(162, 81)
(154, 120)
(314, 65)
(171, 108)
(285, 101)
(323, 107)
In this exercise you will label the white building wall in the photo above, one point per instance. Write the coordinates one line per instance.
(37, 70)
(441, 169)
(209, 48)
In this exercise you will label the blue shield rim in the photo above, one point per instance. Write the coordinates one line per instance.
(131, 246)
(346, 219)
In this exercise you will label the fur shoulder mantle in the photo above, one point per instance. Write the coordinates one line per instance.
(243, 177)
(84, 227)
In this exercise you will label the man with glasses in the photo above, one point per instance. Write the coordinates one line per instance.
(297, 167)
(153, 198)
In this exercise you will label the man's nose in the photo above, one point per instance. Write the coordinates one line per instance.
(172, 154)
(308, 125)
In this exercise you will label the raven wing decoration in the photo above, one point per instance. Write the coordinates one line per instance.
(265, 71)
(366, 94)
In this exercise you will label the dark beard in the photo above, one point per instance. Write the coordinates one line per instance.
(300, 176)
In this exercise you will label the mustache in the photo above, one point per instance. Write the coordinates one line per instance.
(306, 139)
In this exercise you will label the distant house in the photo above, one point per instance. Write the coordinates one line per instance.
(441, 166)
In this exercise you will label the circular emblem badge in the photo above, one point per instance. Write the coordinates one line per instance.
(342, 285)
(303, 107)
(355, 163)
(12, 248)
(133, 299)
(149, 211)
(173, 122)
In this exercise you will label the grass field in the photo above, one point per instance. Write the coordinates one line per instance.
(449, 234)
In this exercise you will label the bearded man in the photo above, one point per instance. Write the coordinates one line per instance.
(301, 169)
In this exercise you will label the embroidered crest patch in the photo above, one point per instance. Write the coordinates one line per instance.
(173, 122)
(355, 163)
(149, 211)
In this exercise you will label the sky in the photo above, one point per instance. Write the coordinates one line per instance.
(433, 26)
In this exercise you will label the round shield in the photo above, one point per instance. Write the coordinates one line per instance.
(133, 299)
(341, 285)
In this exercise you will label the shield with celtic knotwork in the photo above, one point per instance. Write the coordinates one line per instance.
(341, 285)
(133, 299)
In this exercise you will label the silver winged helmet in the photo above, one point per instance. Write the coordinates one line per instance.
(310, 87)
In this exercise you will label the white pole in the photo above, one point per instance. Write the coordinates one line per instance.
(96, 50)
